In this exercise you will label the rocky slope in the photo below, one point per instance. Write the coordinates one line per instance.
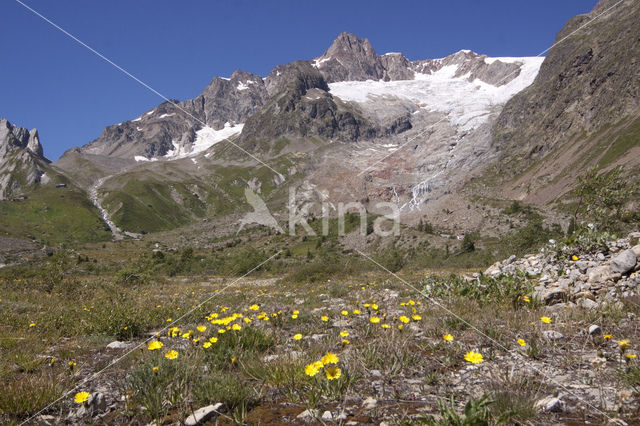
(582, 110)
(22, 161)
(604, 274)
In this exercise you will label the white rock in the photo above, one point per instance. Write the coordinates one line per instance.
(327, 415)
(117, 345)
(550, 404)
(552, 335)
(594, 330)
(369, 403)
(309, 414)
(203, 414)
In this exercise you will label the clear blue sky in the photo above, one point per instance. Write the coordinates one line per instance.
(50, 82)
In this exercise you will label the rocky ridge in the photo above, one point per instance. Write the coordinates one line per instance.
(21, 159)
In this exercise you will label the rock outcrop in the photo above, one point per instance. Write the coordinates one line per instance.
(582, 279)
(21, 159)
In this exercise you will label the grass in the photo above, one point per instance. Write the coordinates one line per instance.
(260, 367)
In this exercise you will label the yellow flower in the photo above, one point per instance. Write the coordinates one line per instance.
(297, 336)
(296, 312)
(575, 258)
(374, 306)
(623, 344)
(345, 342)
(448, 337)
(545, 320)
(33, 324)
(329, 358)
(313, 368)
(356, 312)
(71, 364)
(254, 307)
(400, 326)
(607, 336)
(630, 356)
(385, 326)
(521, 342)
(155, 370)
(236, 327)
(324, 318)
(169, 320)
(374, 320)
(526, 299)
(206, 345)
(344, 313)
(404, 319)
(416, 317)
(222, 330)
(473, 357)
(344, 333)
(213, 339)
(247, 320)
(173, 331)
(202, 328)
(81, 397)
(333, 373)
(172, 354)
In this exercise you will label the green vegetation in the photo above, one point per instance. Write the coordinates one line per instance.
(53, 216)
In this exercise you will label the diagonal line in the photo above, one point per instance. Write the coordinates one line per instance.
(139, 81)
(503, 79)
(144, 342)
(480, 332)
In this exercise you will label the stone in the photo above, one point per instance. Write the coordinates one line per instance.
(117, 345)
(587, 304)
(601, 274)
(553, 295)
(550, 404)
(369, 403)
(636, 250)
(203, 414)
(552, 335)
(624, 262)
(309, 414)
(594, 330)
(617, 422)
(375, 373)
(634, 238)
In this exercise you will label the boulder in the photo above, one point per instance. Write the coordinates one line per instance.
(552, 295)
(552, 335)
(550, 404)
(601, 274)
(203, 414)
(624, 262)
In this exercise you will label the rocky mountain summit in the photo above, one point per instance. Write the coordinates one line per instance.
(21, 159)
(567, 277)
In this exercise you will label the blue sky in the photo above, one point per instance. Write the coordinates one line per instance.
(50, 82)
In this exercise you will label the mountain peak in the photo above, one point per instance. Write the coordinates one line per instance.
(347, 43)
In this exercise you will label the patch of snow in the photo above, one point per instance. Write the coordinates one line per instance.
(140, 158)
(138, 129)
(194, 161)
(467, 104)
(224, 78)
(137, 119)
(151, 112)
(205, 139)
(242, 86)
(319, 62)
(167, 115)
(392, 53)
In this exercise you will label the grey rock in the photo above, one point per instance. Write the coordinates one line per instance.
(375, 373)
(309, 414)
(327, 415)
(117, 345)
(552, 335)
(550, 404)
(552, 295)
(587, 303)
(203, 414)
(594, 330)
(624, 262)
(601, 274)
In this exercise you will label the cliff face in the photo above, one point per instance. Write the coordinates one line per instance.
(21, 159)
(588, 80)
